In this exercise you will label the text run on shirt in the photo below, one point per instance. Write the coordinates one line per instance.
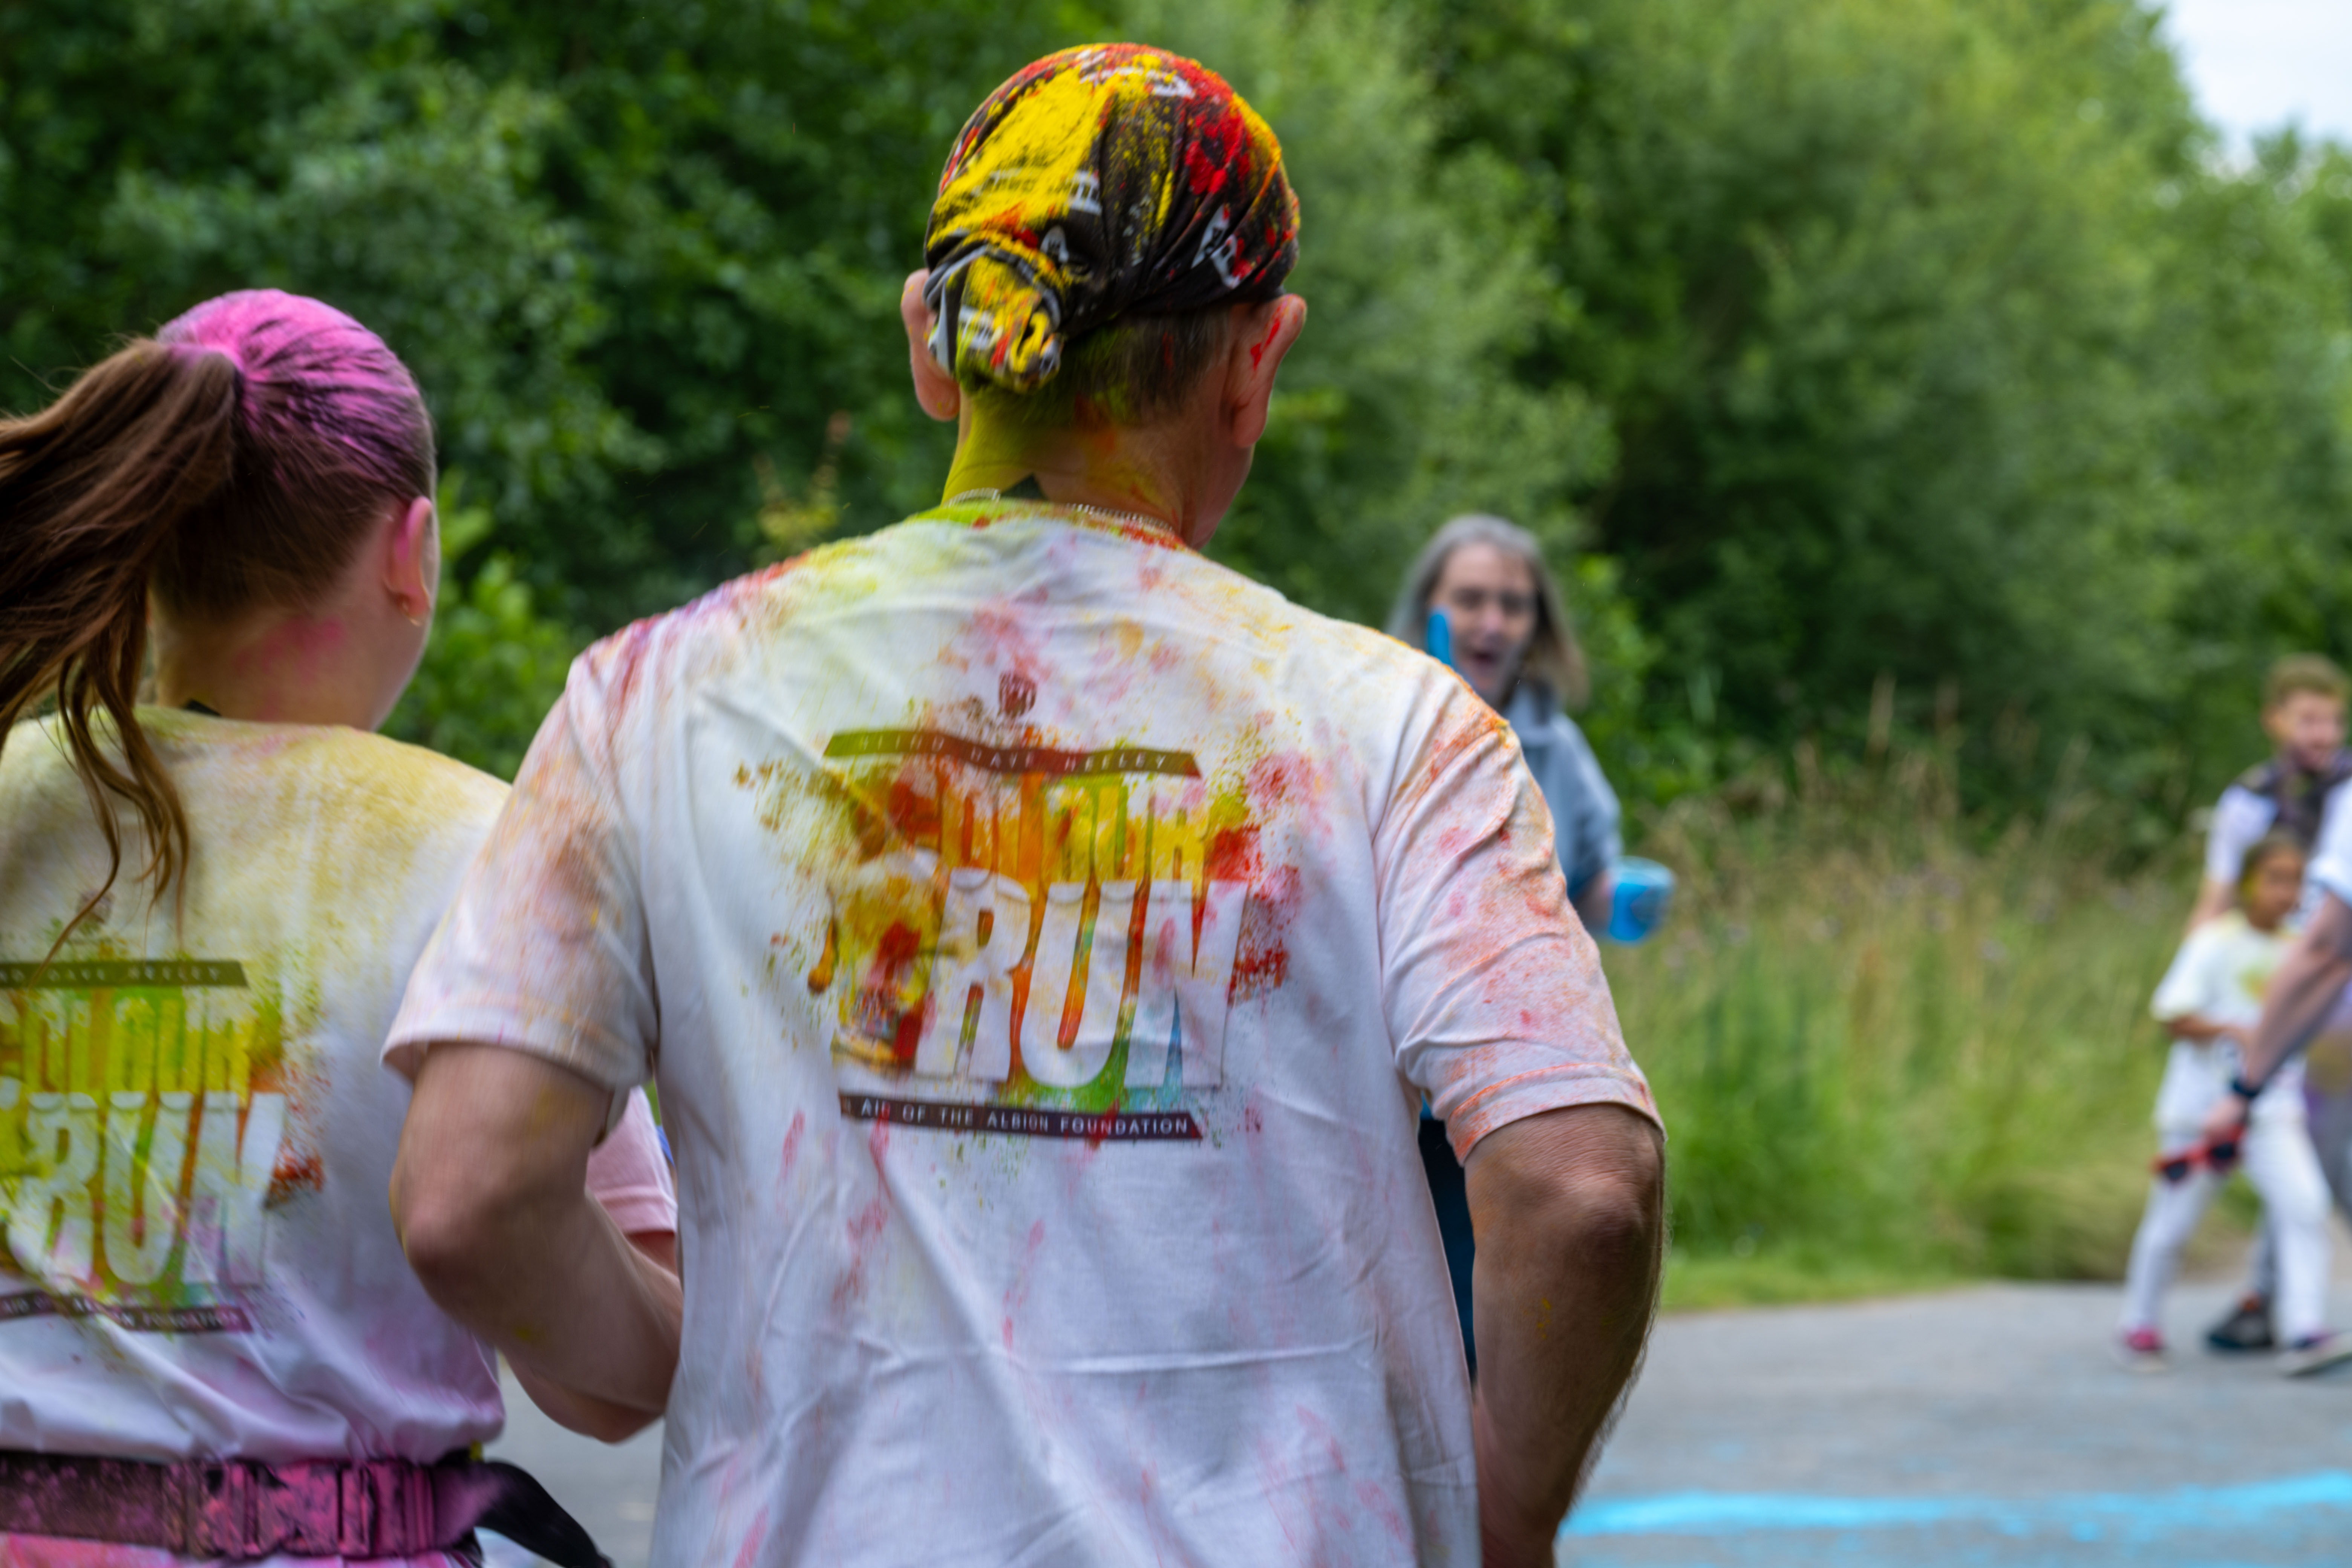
(142, 1111)
(1027, 940)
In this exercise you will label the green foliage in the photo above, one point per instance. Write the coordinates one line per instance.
(1881, 1042)
(1939, 345)
(1420, 287)
(493, 665)
(1932, 342)
(629, 250)
(646, 262)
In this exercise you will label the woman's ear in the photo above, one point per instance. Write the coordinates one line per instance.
(935, 389)
(412, 566)
(1265, 335)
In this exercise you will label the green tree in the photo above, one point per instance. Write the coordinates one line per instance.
(1934, 350)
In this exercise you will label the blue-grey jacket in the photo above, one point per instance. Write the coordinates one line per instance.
(1584, 812)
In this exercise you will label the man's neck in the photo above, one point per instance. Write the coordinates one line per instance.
(1091, 463)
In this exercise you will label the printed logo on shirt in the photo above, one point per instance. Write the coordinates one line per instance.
(143, 1128)
(1033, 942)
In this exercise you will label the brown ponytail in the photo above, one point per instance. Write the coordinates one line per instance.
(91, 489)
(235, 461)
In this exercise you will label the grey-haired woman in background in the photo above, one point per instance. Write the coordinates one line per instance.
(1512, 642)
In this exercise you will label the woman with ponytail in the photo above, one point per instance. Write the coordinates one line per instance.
(211, 1345)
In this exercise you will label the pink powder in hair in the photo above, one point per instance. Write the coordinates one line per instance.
(312, 371)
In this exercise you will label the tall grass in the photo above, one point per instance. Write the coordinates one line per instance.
(1892, 1044)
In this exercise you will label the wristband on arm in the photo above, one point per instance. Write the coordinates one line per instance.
(2242, 1088)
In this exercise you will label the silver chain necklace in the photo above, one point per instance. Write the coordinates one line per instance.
(1105, 514)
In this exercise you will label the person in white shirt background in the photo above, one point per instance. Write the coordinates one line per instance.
(1043, 939)
(2210, 1001)
(211, 1345)
(2297, 791)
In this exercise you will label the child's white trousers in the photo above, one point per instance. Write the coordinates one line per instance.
(2278, 1158)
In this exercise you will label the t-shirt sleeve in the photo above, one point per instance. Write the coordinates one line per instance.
(544, 949)
(1493, 990)
(2331, 859)
(629, 1174)
(2188, 986)
(2240, 817)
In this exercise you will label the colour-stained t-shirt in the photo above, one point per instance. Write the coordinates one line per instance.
(1043, 939)
(196, 1132)
(2221, 973)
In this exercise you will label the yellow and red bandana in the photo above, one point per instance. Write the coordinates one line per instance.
(1101, 181)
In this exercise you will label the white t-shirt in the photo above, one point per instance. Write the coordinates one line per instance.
(2331, 858)
(2219, 974)
(197, 1135)
(2242, 817)
(1043, 938)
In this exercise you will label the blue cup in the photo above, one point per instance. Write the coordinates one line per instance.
(1440, 638)
(1640, 893)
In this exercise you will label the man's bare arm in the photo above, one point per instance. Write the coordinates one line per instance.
(2197, 1027)
(2303, 991)
(490, 1195)
(1567, 1208)
(600, 1418)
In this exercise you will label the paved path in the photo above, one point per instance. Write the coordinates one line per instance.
(1980, 1427)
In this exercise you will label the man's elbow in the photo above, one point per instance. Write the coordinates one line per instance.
(1585, 1185)
(450, 1235)
(1611, 1212)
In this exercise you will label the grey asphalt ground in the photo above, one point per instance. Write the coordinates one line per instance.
(1984, 1425)
(1981, 1426)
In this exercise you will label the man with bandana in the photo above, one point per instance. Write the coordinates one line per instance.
(1044, 940)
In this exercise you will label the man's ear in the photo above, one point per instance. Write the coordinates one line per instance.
(1263, 335)
(935, 389)
(412, 559)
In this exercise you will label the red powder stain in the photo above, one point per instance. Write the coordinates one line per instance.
(895, 954)
(1231, 854)
(1009, 643)
(297, 1172)
(862, 1228)
(1258, 349)
(791, 1144)
(1288, 778)
(752, 1540)
(1260, 969)
(1262, 956)
(1382, 1507)
(1016, 1295)
(914, 812)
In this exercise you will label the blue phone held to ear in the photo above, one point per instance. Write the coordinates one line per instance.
(1440, 639)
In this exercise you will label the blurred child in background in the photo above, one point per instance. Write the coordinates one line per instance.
(2210, 999)
(2295, 794)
